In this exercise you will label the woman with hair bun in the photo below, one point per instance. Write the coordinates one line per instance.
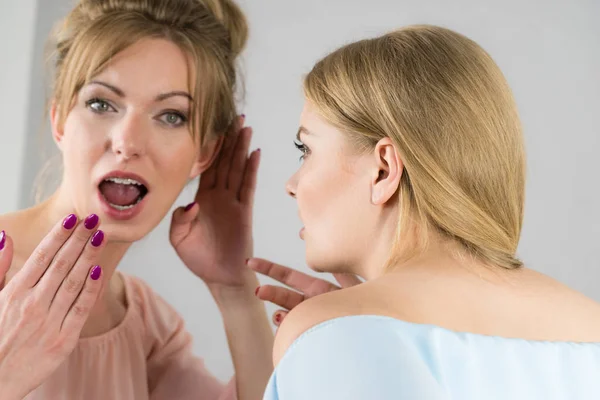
(142, 102)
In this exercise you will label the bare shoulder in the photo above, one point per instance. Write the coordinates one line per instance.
(311, 313)
(578, 313)
(18, 222)
(18, 225)
(523, 304)
(10, 220)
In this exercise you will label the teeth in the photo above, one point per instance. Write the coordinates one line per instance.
(124, 181)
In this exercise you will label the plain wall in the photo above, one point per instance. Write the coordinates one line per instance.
(17, 32)
(549, 52)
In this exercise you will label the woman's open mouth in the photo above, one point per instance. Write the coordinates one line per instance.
(122, 194)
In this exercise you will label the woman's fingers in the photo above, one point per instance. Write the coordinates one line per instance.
(284, 297)
(78, 313)
(278, 316)
(290, 277)
(6, 255)
(35, 267)
(248, 185)
(71, 285)
(307, 285)
(208, 178)
(239, 159)
(226, 153)
(281, 296)
(83, 247)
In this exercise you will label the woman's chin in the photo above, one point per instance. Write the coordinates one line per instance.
(327, 262)
(123, 235)
(316, 263)
(129, 225)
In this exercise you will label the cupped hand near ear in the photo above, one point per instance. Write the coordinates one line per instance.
(213, 235)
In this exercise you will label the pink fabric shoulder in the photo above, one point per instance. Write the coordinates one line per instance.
(172, 369)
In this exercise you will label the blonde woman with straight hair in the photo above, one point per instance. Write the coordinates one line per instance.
(413, 178)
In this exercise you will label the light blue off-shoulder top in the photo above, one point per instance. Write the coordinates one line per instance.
(371, 357)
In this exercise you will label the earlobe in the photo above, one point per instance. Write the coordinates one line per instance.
(389, 169)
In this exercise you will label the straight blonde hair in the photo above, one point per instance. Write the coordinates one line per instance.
(451, 115)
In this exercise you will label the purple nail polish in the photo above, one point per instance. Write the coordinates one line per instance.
(91, 221)
(97, 238)
(96, 272)
(70, 222)
(2, 240)
(189, 206)
(243, 115)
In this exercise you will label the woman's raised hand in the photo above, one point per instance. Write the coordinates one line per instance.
(43, 308)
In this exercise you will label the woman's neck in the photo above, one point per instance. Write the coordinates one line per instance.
(438, 250)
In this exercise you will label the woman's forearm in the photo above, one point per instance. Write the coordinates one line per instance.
(249, 335)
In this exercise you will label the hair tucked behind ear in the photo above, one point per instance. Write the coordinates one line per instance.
(447, 107)
(211, 32)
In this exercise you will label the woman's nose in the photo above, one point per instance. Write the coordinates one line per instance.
(129, 138)
(290, 186)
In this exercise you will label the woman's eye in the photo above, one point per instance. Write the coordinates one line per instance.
(173, 119)
(99, 105)
(303, 149)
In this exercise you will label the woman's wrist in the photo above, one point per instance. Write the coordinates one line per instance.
(234, 295)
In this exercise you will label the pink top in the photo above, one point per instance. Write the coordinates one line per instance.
(147, 356)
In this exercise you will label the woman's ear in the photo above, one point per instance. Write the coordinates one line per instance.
(207, 156)
(388, 171)
(57, 131)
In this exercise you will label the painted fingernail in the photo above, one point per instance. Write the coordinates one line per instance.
(2, 240)
(189, 206)
(256, 291)
(96, 272)
(91, 221)
(243, 115)
(70, 222)
(97, 238)
(277, 318)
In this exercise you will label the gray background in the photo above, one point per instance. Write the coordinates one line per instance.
(549, 51)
